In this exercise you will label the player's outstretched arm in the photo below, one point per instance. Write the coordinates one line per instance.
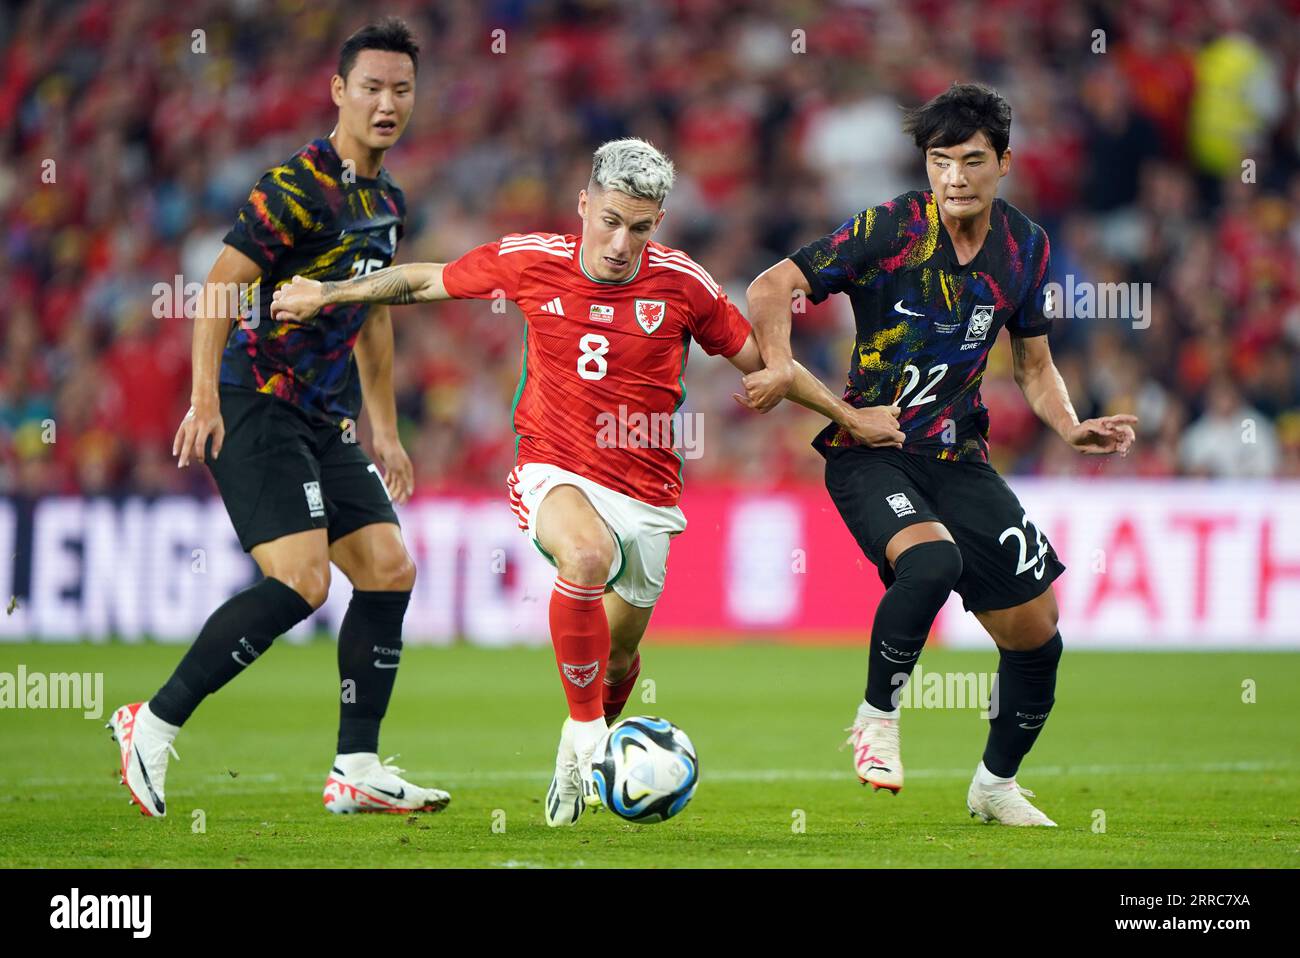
(769, 311)
(217, 309)
(872, 426)
(303, 298)
(1044, 389)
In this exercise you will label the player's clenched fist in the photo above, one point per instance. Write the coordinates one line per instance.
(766, 387)
(875, 426)
(298, 300)
(201, 422)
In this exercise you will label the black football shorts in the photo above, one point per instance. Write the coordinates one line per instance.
(1006, 559)
(281, 472)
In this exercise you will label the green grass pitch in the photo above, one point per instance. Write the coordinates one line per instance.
(1149, 759)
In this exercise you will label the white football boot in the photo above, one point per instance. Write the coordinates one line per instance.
(361, 783)
(572, 789)
(564, 803)
(1003, 802)
(876, 756)
(144, 747)
(586, 737)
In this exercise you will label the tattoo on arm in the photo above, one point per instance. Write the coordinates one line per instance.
(1018, 351)
(388, 285)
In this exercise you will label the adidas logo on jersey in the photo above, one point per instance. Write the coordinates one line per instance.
(554, 307)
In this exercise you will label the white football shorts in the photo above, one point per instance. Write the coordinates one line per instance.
(641, 530)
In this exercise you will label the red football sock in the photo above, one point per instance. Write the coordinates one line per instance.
(580, 633)
(617, 693)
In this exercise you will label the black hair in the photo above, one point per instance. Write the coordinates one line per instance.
(957, 114)
(390, 34)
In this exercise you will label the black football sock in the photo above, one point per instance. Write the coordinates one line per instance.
(235, 634)
(924, 575)
(370, 645)
(1026, 689)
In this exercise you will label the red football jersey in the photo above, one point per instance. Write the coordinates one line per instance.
(603, 363)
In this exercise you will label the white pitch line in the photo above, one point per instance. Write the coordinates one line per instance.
(255, 782)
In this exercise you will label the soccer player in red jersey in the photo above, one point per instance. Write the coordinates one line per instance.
(610, 315)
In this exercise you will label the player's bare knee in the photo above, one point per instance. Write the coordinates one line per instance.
(396, 573)
(312, 582)
(585, 562)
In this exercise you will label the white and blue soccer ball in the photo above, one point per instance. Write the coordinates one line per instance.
(645, 769)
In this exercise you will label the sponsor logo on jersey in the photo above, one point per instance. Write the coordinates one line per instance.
(580, 675)
(601, 313)
(981, 318)
(901, 505)
(554, 307)
(650, 313)
(315, 502)
(899, 308)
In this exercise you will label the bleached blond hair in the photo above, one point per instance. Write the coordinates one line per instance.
(634, 167)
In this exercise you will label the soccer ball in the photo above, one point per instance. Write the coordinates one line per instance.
(645, 769)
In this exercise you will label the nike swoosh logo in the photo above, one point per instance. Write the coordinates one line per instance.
(235, 656)
(899, 308)
(153, 796)
(897, 661)
(386, 665)
(1031, 727)
(399, 794)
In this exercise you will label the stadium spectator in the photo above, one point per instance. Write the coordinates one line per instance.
(126, 147)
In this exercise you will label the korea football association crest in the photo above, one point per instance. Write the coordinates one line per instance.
(901, 505)
(315, 501)
(650, 313)
(981, 318)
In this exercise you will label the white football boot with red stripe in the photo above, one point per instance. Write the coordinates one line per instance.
(373, 786)
(876, 753)
(144, 751)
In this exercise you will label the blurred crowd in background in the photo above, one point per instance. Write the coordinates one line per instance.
(1162, 150)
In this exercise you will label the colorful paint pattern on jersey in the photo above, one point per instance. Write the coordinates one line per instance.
(925, 322)
(310, 217)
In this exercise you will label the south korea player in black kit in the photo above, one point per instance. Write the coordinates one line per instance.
(933, 276)
(273, 415)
